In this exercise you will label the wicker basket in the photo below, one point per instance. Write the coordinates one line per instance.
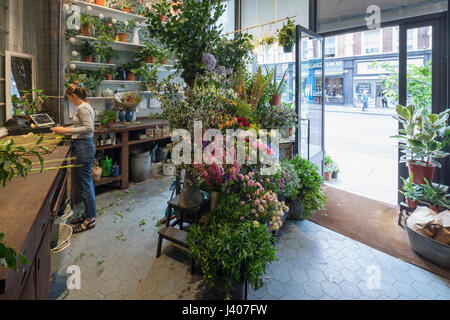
(60, 237)
(68, 212)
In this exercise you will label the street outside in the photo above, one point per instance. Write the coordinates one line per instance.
(359, 143)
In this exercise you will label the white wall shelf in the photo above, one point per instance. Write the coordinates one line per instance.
(92, 65)
(109, 12)
(121, 82)
(116, 45)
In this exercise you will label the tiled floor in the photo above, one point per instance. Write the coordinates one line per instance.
(117, 260)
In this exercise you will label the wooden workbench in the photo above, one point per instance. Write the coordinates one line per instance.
(28, 207)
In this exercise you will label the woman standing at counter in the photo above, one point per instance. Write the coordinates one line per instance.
(82, 133)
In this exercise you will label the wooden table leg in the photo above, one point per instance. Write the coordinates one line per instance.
(124, 159)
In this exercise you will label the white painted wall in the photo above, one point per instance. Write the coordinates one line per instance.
(256, 12)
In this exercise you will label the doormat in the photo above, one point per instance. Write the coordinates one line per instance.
(373, 223)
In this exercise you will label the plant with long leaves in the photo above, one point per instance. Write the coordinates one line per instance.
(435, 195)
(423, 137)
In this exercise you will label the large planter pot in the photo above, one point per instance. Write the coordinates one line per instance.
(123, 37)
(288, 49)
(412, 203)
(276, 100)
(328, 176)
(190, 195)
(420, 172)
(296, 210)
(122, 115)
(436, 209)
(430, 249)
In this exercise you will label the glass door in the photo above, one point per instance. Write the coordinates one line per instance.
(309, 96)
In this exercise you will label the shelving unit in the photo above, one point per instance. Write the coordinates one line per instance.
(108, 12)
(116, 45)
(106, 180)
(91, 65)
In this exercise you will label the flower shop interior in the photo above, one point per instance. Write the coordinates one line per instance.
(207, 175)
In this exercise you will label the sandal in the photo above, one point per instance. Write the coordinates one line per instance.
(84, 227)
(77, 220)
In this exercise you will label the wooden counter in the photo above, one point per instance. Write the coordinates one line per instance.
(28, 207)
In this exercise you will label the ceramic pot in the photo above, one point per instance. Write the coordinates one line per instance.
(163, 18)
(122, 115)
(420, 172)
(131, 76)
(123, 37)
(412, 203)
(276, 100)
(436, 209)
(335, 175)
(288, 49)
(129, 115)
(108, 93)
(296, 209)
(126, 9)
(89, 58)
(190, 195)
(109, 77)
(100, 2)
(328, 175)
(150, 59)
(85, 30)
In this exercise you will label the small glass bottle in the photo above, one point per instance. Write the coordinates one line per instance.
(108, 140)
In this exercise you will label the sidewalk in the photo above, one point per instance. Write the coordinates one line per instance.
(370, 110)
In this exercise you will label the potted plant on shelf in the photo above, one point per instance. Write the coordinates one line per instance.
(132, 68)
(412, 192)
(87, 23)
(422, 139)
(88, 51)
(436, 197)
(286, 36)
(149, 75)
(107, 117)
(123, 29)
(277, 89)
(127, 103)
(148, 54)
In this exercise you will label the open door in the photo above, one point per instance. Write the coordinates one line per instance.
(309, 95)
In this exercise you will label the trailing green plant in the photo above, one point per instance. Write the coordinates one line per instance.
(290, 183)
(273, 117)
(267, 40)
(286, 35)
(435, 195)
(410, 190)
(310, 194)
(189, 32)
(149, 74)
(423, 137)
(230, 250)
(235, 54)
(87, 20)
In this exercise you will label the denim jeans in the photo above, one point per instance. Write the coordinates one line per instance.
(84, 151)
(365, 105)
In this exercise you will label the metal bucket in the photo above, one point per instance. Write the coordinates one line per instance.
(140, 166)
(428, 248)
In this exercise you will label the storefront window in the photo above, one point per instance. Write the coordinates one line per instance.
(334, 90)
(372, 41)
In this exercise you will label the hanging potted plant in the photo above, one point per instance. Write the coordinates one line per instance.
(412, 192)
(286, 36)
(421, 140)
(436, 197)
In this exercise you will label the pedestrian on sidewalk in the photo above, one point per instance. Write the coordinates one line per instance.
(384, 100)
(365, 100)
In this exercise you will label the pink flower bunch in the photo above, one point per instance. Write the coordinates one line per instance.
(217, 176)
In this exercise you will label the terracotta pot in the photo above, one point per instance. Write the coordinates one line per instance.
(436, 209)
(412, 203)
(328, 175)
(109, 77)
(126, 9)
(150, 59)
(123, 37)
(100, 2)
(108, 61)
(164, 62)
(89, 58)
(276, 100)
(131, 76)
(85, 30)
(421, 172)
(163, 18)
(291, 132)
